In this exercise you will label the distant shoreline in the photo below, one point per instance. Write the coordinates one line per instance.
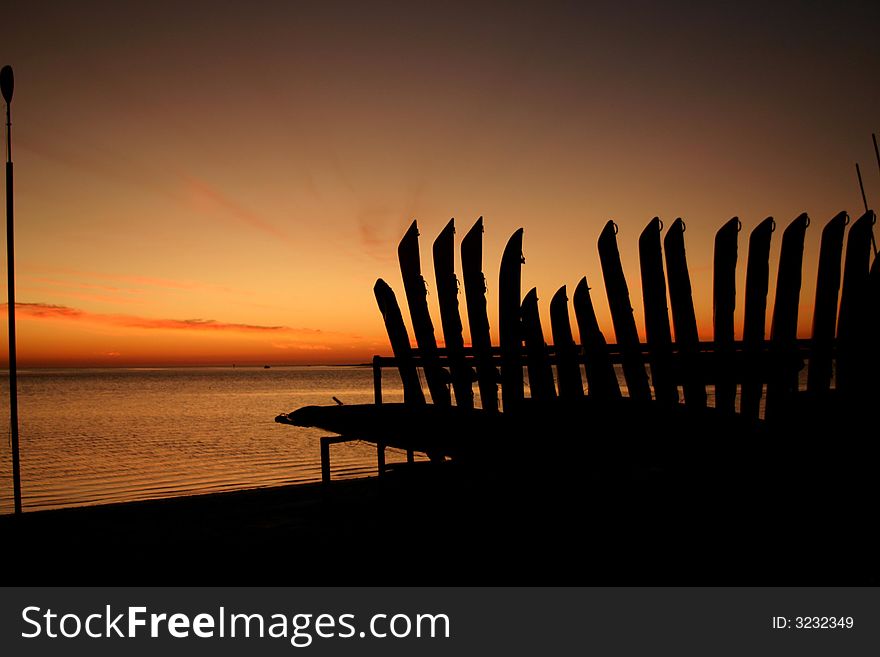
(5, 370)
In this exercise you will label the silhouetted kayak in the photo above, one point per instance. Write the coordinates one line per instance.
(598, 367)
(755, 316)
(397, 333)
(591, 433)
(568, 368)
(450, 318)
(432, 429)
(622, 314)
(509, 324)
(657, 331)
(538, 362)
(723, 307)
(423, 327)
(684, 317)
(478, 320)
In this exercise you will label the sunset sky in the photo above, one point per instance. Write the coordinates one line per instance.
(209, 183)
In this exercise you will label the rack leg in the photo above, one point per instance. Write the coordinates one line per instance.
(325, 460)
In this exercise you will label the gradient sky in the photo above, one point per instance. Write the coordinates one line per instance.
(223, 182)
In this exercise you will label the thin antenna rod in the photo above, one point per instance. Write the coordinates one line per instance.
(865, 201)
(861, 186)
(876, 151)
(877, 155)
(6, 86)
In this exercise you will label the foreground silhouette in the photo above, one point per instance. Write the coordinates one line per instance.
(674, 477)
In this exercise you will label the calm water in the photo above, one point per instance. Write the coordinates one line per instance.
(106, 435)
(94, 436)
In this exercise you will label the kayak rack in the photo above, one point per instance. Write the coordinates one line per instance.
(327, 441)
(757, 376)
(707, 351)
(754, 376)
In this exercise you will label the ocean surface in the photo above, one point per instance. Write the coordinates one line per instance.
(93, 436)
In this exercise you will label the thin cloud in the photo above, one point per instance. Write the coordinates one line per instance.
(375, 237)
(42, 310)
(139, 282)
(53, 282)
(53, 311)
(36, 290)
(300, 346)
(69, 289)
(380, 225)
(212, 199)
(111, 164)
(200, 324)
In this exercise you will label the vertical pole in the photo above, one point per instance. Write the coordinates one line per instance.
(380, 458)
(13, 365)
(377, 381)
(6, 80)
(325, 460)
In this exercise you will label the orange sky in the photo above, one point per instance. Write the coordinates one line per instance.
(218, 184)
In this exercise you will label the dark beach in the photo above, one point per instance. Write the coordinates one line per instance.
(440, 525)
